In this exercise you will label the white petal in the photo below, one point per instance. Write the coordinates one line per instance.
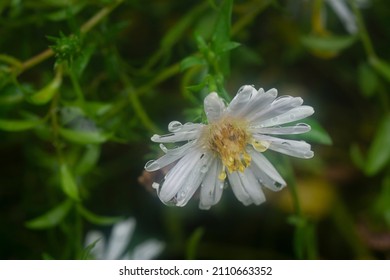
(178, 175)
(240, 102)
(238, 188)
(211, 188)
(213, 106)
(119, 239)
(96, 236)
(294, 114)
(252, 186)
(193, 180)
(170, 156)
(260, 101)
(294, 148)
(186, 132)
(265, 172)
(277, 107)
(296, 129)
(147, 250)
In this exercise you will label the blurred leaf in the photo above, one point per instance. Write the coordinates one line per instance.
(317, 134)
(68, 183)
(357, 156)
(86, 253)
(228, 46)
(379, 152)
(96, 219)
(63, 14)
(89, 159)
(83, 136)
(46, 94)
(51, 218)
(97, 108)
(327, 46)
(81, 62)
(383, 203)
(193, 243)
(190, 61)
(382, 67)
(11, 95)
(368, 81)
(17, 125)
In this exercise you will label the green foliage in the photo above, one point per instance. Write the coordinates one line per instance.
(85, 84)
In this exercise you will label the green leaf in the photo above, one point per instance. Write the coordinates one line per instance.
(190, 61)
(379, 152)
(96, 219)
(86, 253)
(317, 134)
(17, 125)
(88, 160)
(81, 62)
(228, 46)
(46, 94)
(382, 67)
(357, 156)
(330, 45)
(193, 243)
(68, 183)
(368, 81)
(11, 95)
(51, 218)
(83, 136)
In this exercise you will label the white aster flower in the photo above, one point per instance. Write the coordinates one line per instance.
(229, 148)
(120, 237)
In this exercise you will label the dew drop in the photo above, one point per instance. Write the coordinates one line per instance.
(204, 169)
(292, 116)
(152, 165)
(308, 154)
(174, 126)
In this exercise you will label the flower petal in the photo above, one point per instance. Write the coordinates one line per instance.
(240, 102)
(170, 156)
(294, 148)
(265, 172)
(212, 187)
(296, 129)
(186, 132)
(147, 250)
(246, 188)
(294, 114)
(119, 239)
(214, 107)
(179, 176)
(193, 180)
(279, 106)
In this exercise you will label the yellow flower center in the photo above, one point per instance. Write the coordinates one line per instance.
(228, 138)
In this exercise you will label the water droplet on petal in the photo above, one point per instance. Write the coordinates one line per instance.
(204, 169)
(152, 165)
(174, 126)
(292, 116)
(308, 154)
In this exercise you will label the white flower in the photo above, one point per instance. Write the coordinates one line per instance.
(230, 148)
(119, 240)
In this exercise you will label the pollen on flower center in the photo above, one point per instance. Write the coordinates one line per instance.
(228, 138)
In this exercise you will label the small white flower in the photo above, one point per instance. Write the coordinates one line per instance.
(229, 148)
(120, 237)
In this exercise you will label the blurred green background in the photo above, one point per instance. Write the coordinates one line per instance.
(85, 84)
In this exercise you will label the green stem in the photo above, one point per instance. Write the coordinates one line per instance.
(76, 86)
(368, 46)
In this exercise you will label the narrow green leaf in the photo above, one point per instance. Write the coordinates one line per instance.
(228, 46)
(86, 253)
(46, 94)
(51, 218)
(68, 183)
(382, 67)
(190, 61)
(368, 81)
(97, 219)
(83, 136)
(379, 152)
(88, 160)
(193, 243)
(333, 44)
(17, 125)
